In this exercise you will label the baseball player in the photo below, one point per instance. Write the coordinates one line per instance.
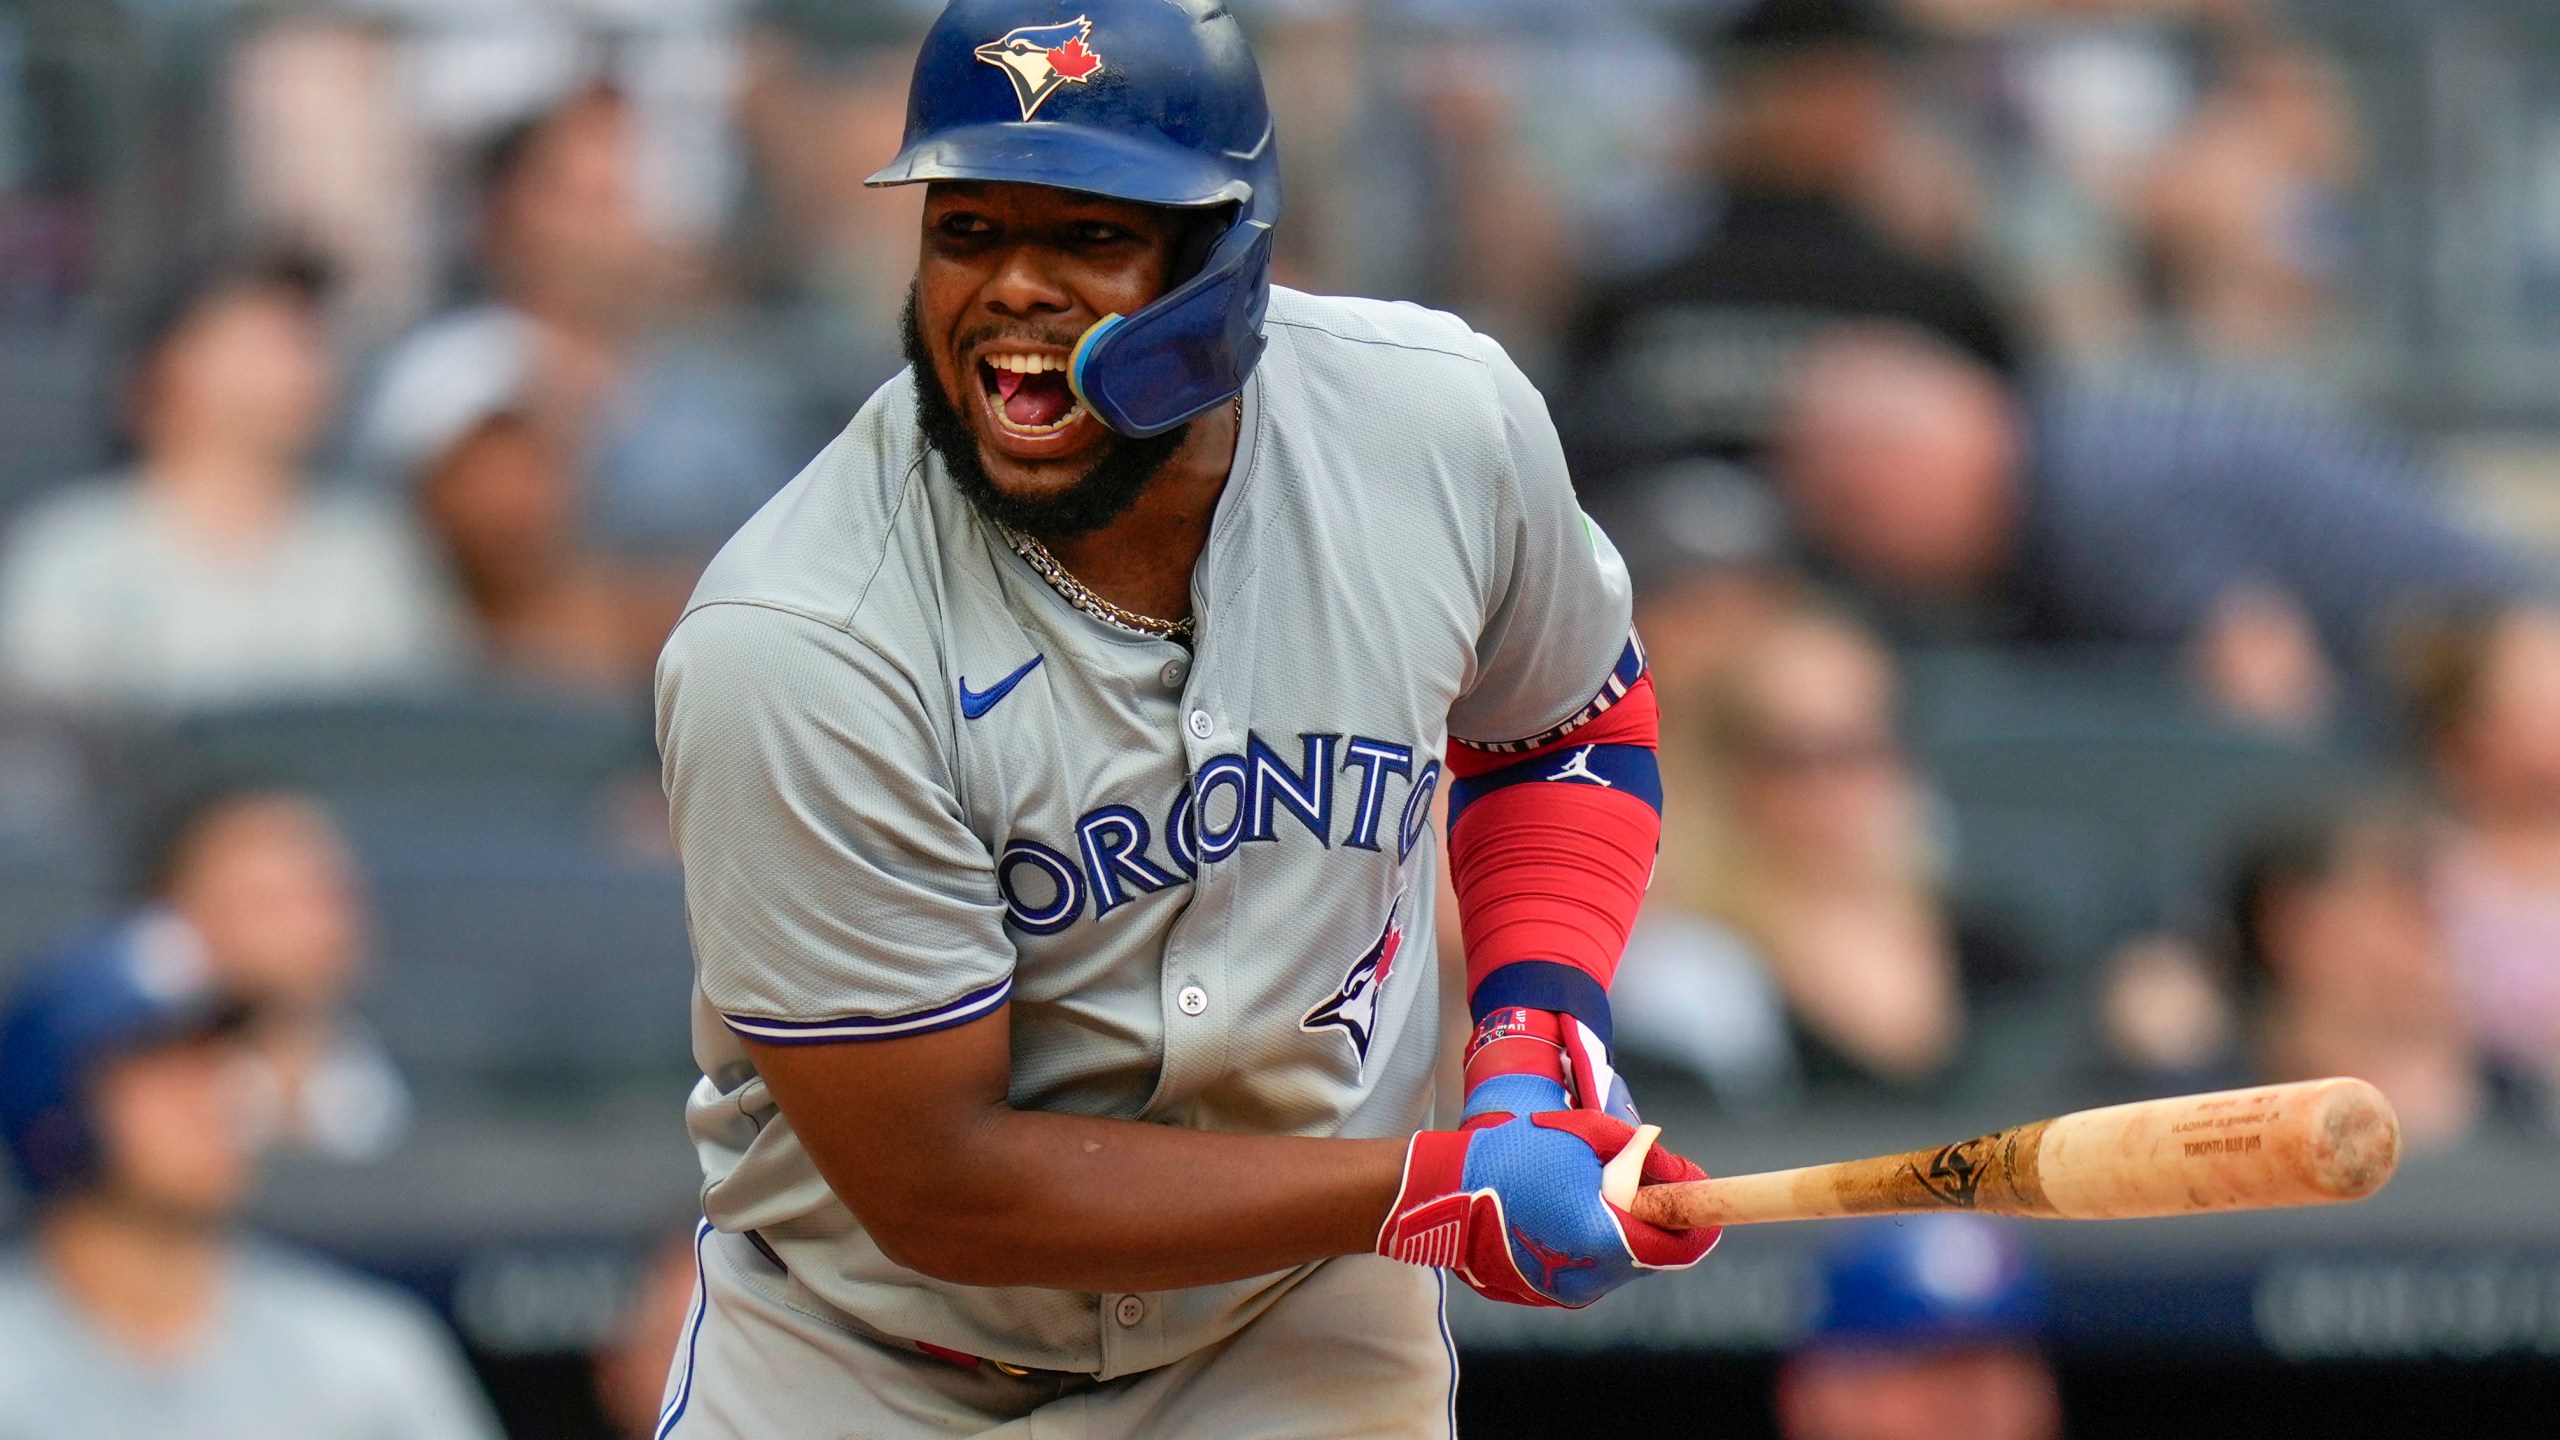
(1053, 765)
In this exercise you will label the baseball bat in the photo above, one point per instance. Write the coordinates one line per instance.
(2317, 1142)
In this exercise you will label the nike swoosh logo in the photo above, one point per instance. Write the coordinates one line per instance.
(976, 703)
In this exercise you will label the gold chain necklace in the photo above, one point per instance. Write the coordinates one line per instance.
(1081, 595)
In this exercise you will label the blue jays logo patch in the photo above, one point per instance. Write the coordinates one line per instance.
(1039, 59)
(1353, 1009)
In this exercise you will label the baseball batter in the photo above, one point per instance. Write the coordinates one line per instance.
(1054, 766)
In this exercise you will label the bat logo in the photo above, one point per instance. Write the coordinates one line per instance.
(1041, 59)
(1955, 1174)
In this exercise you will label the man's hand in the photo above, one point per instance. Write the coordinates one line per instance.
(1511, 1200)
(1516, 1040)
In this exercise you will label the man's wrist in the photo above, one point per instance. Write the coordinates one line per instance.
(1550, 985)
(1517, 1040)
(1520, 1040)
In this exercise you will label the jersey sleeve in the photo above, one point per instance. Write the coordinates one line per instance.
(834, 889)
(1556, 648)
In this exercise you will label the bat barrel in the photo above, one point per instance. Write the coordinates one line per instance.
(2313, 1143)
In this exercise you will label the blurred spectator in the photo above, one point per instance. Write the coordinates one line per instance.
(1822, 863)
(2348, 969)
(137, 1310)
(500, 496)
(322, 141)
(824, 101)
(216, 573)
(1707, 549)
(674, 436)
(1704, 544)
(2488, 693)
(1928, 1331)
(2166, 1018)
(632, 1365)
(2246, 210)
(1682, 360)
(343, 122)
(1498, 245)
(265, 881)
(503, 505)
(2268, 542)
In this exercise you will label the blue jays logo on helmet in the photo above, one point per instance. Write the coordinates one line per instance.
(1039, 59)
(1353, 1008)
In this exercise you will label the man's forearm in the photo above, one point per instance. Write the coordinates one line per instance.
(1072, 1203)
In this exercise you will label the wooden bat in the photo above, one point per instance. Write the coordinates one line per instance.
(2317, 1142)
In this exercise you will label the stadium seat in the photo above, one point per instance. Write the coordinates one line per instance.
(506, 755)
(2089, 799)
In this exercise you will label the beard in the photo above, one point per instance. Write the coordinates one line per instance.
(1104, 494)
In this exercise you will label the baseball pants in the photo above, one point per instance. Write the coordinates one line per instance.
(1359, 1350)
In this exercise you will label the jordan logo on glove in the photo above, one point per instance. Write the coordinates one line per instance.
(1549, 1261)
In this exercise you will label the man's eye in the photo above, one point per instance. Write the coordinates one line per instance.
(1095, 232)
(964, 225)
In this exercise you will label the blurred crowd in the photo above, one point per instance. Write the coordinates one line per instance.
(2069, 682)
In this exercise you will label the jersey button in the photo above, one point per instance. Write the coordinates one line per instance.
(1129, 1311)
(1193, 1001)
(1202, 727)
(1175, 672)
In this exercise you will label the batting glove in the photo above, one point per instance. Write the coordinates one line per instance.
(1516, 1040)
(1511, 1201)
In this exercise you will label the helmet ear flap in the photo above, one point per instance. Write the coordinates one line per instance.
(1201, 232)
(1144, 374)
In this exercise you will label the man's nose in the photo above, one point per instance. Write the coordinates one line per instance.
(1024, 285)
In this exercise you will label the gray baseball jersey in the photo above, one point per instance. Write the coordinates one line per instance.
(912, 784)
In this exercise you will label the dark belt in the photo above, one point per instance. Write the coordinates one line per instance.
(944, 1353)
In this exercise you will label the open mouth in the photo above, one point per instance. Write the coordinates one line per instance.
(1028, 394)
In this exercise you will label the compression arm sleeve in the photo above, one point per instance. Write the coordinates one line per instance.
(1550, 850)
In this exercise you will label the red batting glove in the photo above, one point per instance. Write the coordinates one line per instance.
(1511, 1201)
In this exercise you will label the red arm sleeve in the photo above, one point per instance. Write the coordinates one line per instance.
(1550, 852)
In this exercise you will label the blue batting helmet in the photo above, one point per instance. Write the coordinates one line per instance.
(1153, 101)
(100, 995)
(1928, 1282)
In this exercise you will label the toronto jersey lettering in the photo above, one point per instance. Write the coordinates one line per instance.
(1233, 801)
(912, 786)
